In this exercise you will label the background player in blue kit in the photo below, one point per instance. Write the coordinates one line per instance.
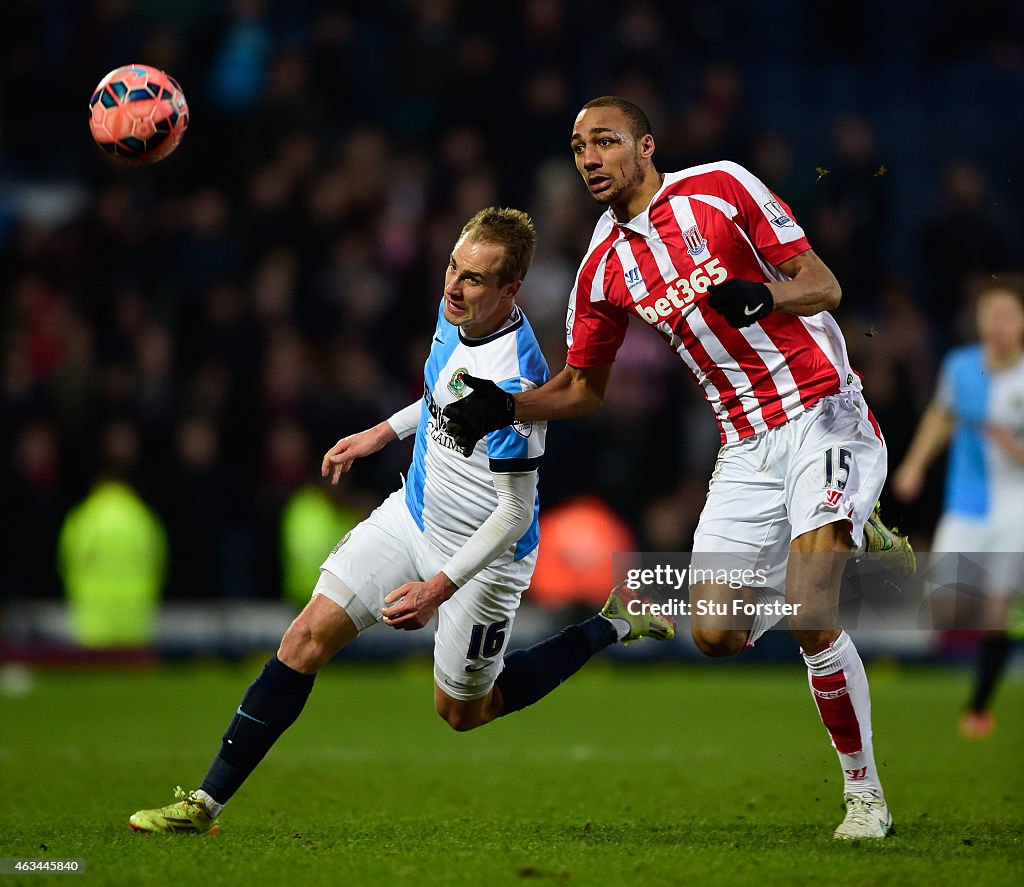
(458, 540)
(978, 409)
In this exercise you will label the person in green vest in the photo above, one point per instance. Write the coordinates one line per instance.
(311, 523)
(112, 555)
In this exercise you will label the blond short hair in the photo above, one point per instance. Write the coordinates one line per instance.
(510, 228)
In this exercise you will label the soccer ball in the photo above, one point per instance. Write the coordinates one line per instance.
(138, 114)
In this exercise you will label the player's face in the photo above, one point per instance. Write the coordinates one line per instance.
(473, 298)
(608, 156)
(1001, 320)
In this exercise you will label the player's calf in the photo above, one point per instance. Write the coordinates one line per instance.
(462, 720)
(463, 715)
(814, 640)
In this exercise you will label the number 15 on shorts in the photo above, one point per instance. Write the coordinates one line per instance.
(837, 468)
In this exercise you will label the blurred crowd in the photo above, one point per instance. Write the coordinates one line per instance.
(206, 328)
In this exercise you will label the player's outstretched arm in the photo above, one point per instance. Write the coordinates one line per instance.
(932, 435)
(573, 392)
(339, 458)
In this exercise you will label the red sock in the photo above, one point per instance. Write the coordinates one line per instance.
(840, 690)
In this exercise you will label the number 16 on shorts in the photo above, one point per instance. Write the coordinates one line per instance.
(486, 641)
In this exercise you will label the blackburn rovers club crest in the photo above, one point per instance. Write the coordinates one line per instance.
(455, 384)
(695, 243)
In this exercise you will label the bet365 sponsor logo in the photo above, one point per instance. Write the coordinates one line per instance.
(682, 292)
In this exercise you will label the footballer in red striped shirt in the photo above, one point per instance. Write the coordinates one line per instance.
(717, 265)
(703, 226)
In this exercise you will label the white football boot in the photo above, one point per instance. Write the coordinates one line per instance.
(867, 816)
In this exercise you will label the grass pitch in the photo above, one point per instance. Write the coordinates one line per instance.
(710, 774)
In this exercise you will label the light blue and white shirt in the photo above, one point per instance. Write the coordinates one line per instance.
(982, 480)
(448, 495)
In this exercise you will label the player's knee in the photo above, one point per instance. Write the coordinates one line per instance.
(458, 717)
(301, 649)
(719, 642)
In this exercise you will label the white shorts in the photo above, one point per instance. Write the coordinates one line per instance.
(983, 554)
(827, 464)
(473, 627)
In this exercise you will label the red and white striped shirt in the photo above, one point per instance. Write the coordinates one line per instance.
(706, 224)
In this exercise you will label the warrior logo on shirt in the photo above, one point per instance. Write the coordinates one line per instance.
(633, 276)
(455, 384)
(695, 242)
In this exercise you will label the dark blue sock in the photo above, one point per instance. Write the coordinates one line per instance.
(531, 674)
(269, 707)
(995, 650)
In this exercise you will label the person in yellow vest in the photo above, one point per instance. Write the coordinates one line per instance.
(311, 523)
(112, 555)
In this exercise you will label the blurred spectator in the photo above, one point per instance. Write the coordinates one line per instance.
(961, 235)
(854, 197)
(772, 161)
(113, 553)
(30, 486)
(195, 506)
(311, 524)
(890, 342)
(579, 539)
(239, 70)
(715, 123)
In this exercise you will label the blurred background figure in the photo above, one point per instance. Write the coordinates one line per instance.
(578, 541)
(311, 523)
(978, 410)
(965, 232)
(113, 552)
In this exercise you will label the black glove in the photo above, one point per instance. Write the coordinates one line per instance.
(741, 302)
(485, 409)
